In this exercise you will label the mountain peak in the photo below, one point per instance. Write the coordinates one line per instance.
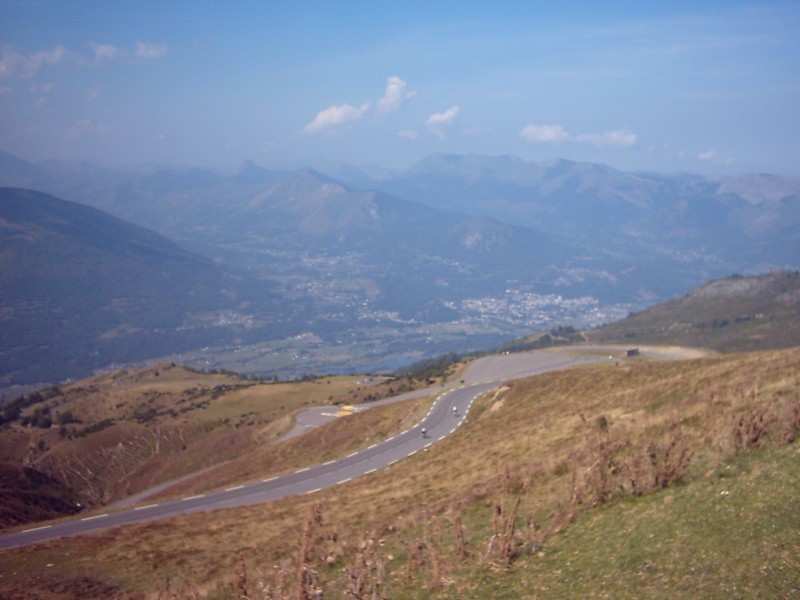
(759, 188)
(249, 169)
(14, 168)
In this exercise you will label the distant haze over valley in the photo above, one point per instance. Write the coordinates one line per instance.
(298, 271)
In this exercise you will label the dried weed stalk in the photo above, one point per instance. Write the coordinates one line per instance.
(313, 553)
(502, 547)
(366, 571)
(434, 556)
(777, 421)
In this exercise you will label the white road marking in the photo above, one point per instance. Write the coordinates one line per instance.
(330, 462)
(94, 517)
(413, 429)
(371, 447)
(230, 489)
(353, 454)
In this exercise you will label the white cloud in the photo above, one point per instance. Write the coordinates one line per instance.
(86, 128)
(150, 50)
(709, 154)
(93, 93)
(103, 52)
(556, 133)
(479, 131)
(444, 118)
(25, 66)
(620, 138)
(335, 115)
(544, 133)
(43, 88)
(16, 64)
(395, 95)
(437, 122)
(408, 134)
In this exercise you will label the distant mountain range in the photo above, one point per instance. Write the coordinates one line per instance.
(494, 245)
(741, 223)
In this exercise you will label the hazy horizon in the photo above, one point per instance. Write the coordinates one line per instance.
(707, 88)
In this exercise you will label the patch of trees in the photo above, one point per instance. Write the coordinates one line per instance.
(714, 324)
(430, 368)
(13, 408)
(65, 417)
(99, 426)
(145, 415)
(310, 377)
(563, 334)
(39, 418)
(222, 371)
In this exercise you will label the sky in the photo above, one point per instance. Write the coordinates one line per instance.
(694, 87)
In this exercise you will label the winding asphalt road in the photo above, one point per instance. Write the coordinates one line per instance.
(441, 421)
(497, 368)
(438, 423)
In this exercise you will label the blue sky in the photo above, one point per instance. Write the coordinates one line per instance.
(700, 87)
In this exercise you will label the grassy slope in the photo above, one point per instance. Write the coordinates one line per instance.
(162, 422)
(732, 534)
(547, 432)
(140, 428)
(28, 495)
(734, 314)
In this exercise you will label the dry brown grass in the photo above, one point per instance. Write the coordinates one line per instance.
(568, 441)
(334, 440)
(139, 428)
